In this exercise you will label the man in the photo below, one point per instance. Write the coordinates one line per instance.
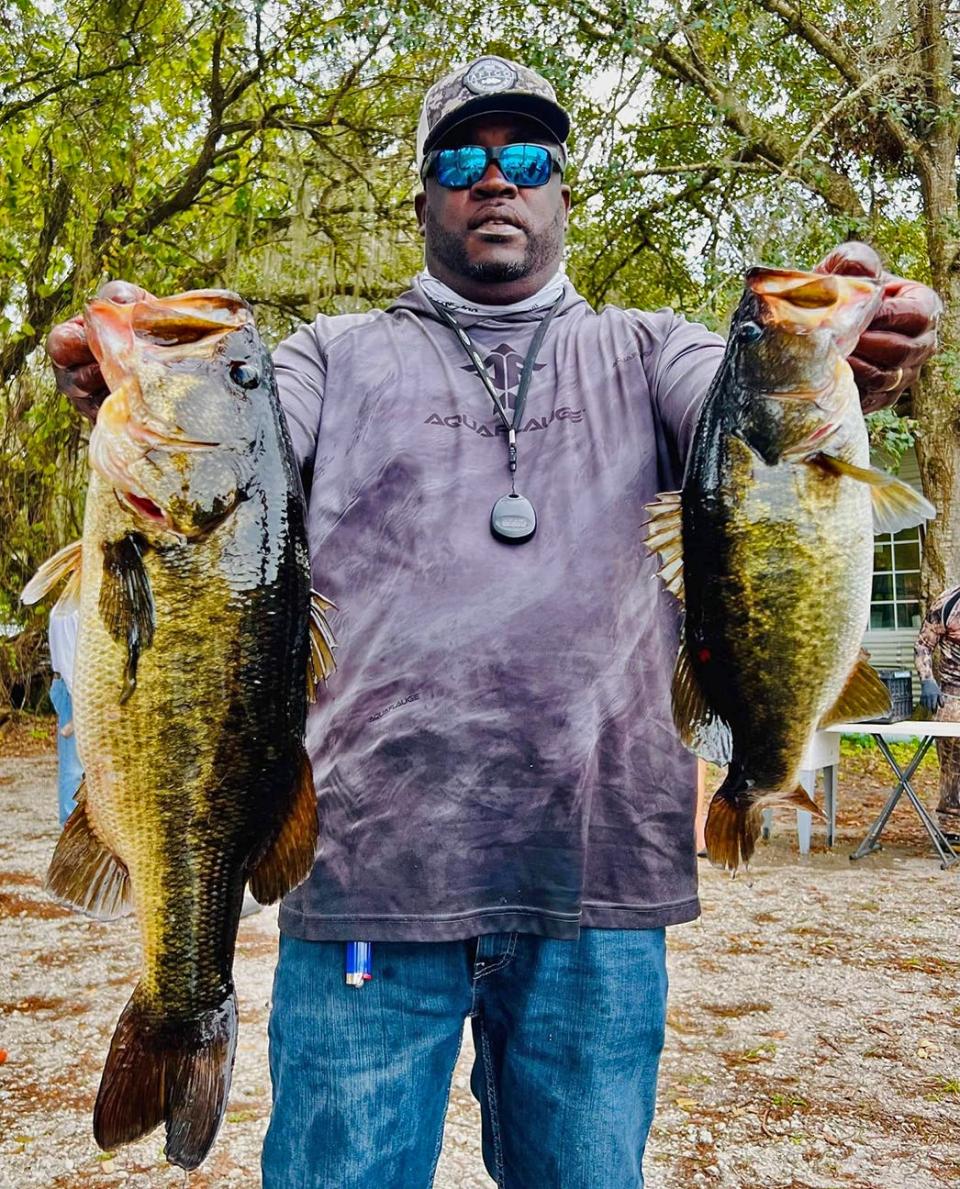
(941, 629)
(505, 809)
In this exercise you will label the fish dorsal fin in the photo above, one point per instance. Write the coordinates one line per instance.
(86, 874)
(126, 603)
(290, 856)
(321, 662)
(65, 563)
(896, 505)
(665, 537)
(863, 696)
(701, 728)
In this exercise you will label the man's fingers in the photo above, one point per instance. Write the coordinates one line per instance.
(853, 259)
(89, 380)
(67, 344)
(903, 312)
(886, 349)
(122, 292)
(879, 388)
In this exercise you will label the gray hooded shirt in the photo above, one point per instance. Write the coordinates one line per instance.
(496, 750)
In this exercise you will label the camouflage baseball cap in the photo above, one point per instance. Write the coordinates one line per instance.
(488, 84)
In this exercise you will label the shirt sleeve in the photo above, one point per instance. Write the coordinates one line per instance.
(300, 363)
(680, 359)
(929, 638)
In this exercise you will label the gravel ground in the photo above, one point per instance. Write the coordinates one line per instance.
(812, 1040)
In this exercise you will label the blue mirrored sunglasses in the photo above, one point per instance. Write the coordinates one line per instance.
(520, 164)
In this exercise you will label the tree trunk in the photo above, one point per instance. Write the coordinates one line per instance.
(937, 395)
(936, 403)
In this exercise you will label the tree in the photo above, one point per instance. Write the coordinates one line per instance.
(770, 129)
(183, 144)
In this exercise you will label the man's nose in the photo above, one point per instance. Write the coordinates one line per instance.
(493, 183)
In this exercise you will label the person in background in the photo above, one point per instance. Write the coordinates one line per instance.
(62, 631)
(941, 629)
(506, 811)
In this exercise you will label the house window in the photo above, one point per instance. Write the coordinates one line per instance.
(895, 602)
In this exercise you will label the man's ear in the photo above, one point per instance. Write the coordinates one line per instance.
(420, 207)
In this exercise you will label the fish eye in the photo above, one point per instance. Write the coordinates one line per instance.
(750, 332)
(244, 375)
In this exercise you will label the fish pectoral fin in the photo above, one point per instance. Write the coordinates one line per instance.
(86, 874)
(176, 1071)
(701, 728)
(65, 564)
(896, 505)
(863, 696)
(126, 602)
(289, 858)
(321, 662)
(665, 537)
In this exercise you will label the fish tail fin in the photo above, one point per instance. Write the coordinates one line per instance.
(732, 828)
(172, 1071)
(734, 820)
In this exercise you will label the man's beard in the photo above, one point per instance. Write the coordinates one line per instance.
(541, 249)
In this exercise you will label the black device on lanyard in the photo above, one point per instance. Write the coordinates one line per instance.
(513, 519)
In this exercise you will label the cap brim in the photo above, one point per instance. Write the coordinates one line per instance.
(518, 103)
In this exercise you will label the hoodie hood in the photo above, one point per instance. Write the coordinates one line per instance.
(415, 301)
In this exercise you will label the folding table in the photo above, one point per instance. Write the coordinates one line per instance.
(926, 732)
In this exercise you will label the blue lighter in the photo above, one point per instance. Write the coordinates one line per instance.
(359, 963)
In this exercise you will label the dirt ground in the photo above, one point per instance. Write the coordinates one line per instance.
(812, 1041)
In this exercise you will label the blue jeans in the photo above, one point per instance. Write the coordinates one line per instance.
(568, 1037)
(69, 768)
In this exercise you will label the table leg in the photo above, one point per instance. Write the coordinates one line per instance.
(830, 801)
(947, 855)
(870, 843)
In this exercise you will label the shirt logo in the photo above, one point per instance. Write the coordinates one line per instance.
(505, 368)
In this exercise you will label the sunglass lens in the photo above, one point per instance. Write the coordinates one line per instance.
(526, 164)
(457, 169)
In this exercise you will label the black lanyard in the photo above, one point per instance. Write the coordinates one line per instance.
(529, 364)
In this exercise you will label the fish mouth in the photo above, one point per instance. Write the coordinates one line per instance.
(125, 335)
(802, 303)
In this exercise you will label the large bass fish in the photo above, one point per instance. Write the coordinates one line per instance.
(190, 690)
(770, 546)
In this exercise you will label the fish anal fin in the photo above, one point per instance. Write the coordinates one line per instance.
(701, 728)
(65, 564)
(290, 856)
(863, 696)
(321, 662)
(126, 602)
(84, 873)
(174, 1071)
(665, 537)
(896, 505)
(798, 799)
